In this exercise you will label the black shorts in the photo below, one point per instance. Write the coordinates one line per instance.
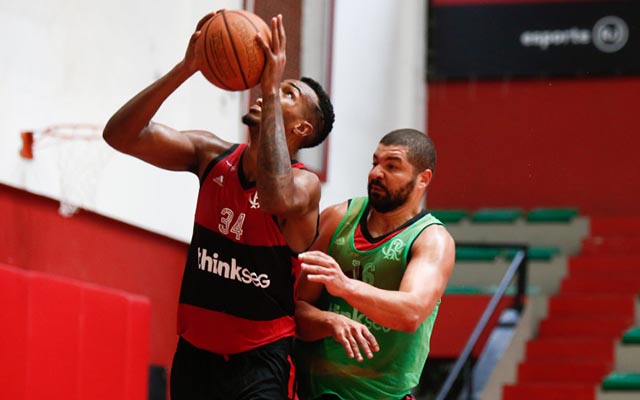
(265, 373)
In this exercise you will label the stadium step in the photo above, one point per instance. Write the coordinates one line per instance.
(587, 349)
(601, 283)
(548, 391)
(541, 253)
(477, 253)
(501, 214)
(606, 264)
(542, 214)
(588, 372)
(610, 245)
(496, 215)
(458, 289)
(615, 226)
(572, 305)
(588, 322)
(449, 216)
(622, 381)
(598, 326)
(631, 336)
(470, 253)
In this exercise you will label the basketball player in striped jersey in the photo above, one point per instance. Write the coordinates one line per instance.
(257, 208)
(370, 288)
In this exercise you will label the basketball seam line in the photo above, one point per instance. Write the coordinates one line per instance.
(257, 30)
(207, 52)
(235, 51)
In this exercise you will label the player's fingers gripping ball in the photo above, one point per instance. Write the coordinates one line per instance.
(233, 59)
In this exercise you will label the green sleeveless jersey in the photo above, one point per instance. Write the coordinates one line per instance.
(396, 368)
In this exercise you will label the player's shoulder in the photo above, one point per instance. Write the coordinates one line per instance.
(337, 210)
(332, 215)
(308, 182)
(301, 170)
(208, 142)
(208, 147)
(435, 235)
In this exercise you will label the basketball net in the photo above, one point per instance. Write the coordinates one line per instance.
(79, 154)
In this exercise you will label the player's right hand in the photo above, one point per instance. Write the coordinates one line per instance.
(354, 337)
(193, 57)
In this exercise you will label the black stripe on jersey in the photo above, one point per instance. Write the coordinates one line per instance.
(371, 239)
(216, 160)
(229, 289)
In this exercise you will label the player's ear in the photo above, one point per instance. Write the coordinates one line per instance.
(424, 178)
(303, 128)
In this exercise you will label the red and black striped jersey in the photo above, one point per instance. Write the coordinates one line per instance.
(238, 285)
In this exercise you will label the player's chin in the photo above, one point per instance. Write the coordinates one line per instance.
(250, 120)
(377, 191)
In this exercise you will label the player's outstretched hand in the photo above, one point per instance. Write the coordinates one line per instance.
(354, 337)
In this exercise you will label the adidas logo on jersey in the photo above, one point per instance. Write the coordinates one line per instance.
(219, 180)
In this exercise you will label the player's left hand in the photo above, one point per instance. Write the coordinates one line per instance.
(354, 337)
(322, 268)
(275, 55)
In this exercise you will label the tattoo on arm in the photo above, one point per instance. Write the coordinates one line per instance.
(274, 162)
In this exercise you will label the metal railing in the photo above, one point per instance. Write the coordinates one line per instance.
(518, 266)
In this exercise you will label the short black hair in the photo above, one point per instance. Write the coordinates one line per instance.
(421, 150)
(326, 117)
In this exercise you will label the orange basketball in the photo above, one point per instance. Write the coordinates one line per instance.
(233, 59)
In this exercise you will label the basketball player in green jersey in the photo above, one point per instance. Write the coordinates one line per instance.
(372, 282)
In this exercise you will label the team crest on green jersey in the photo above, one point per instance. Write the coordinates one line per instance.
(393, 250)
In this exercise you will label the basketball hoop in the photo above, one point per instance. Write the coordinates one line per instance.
(78, 153)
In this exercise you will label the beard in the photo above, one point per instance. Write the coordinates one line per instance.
(389, 200)
(250, 120)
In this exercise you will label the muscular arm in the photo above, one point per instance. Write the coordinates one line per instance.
(131, 131)
(290, 194)
(315, 324)
(312, 323)
(423, 283)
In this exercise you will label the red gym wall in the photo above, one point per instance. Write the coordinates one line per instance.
(536, 143)
(91, 248)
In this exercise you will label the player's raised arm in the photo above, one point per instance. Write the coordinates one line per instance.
(291, 194)
(131, 131)
(275, 180)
